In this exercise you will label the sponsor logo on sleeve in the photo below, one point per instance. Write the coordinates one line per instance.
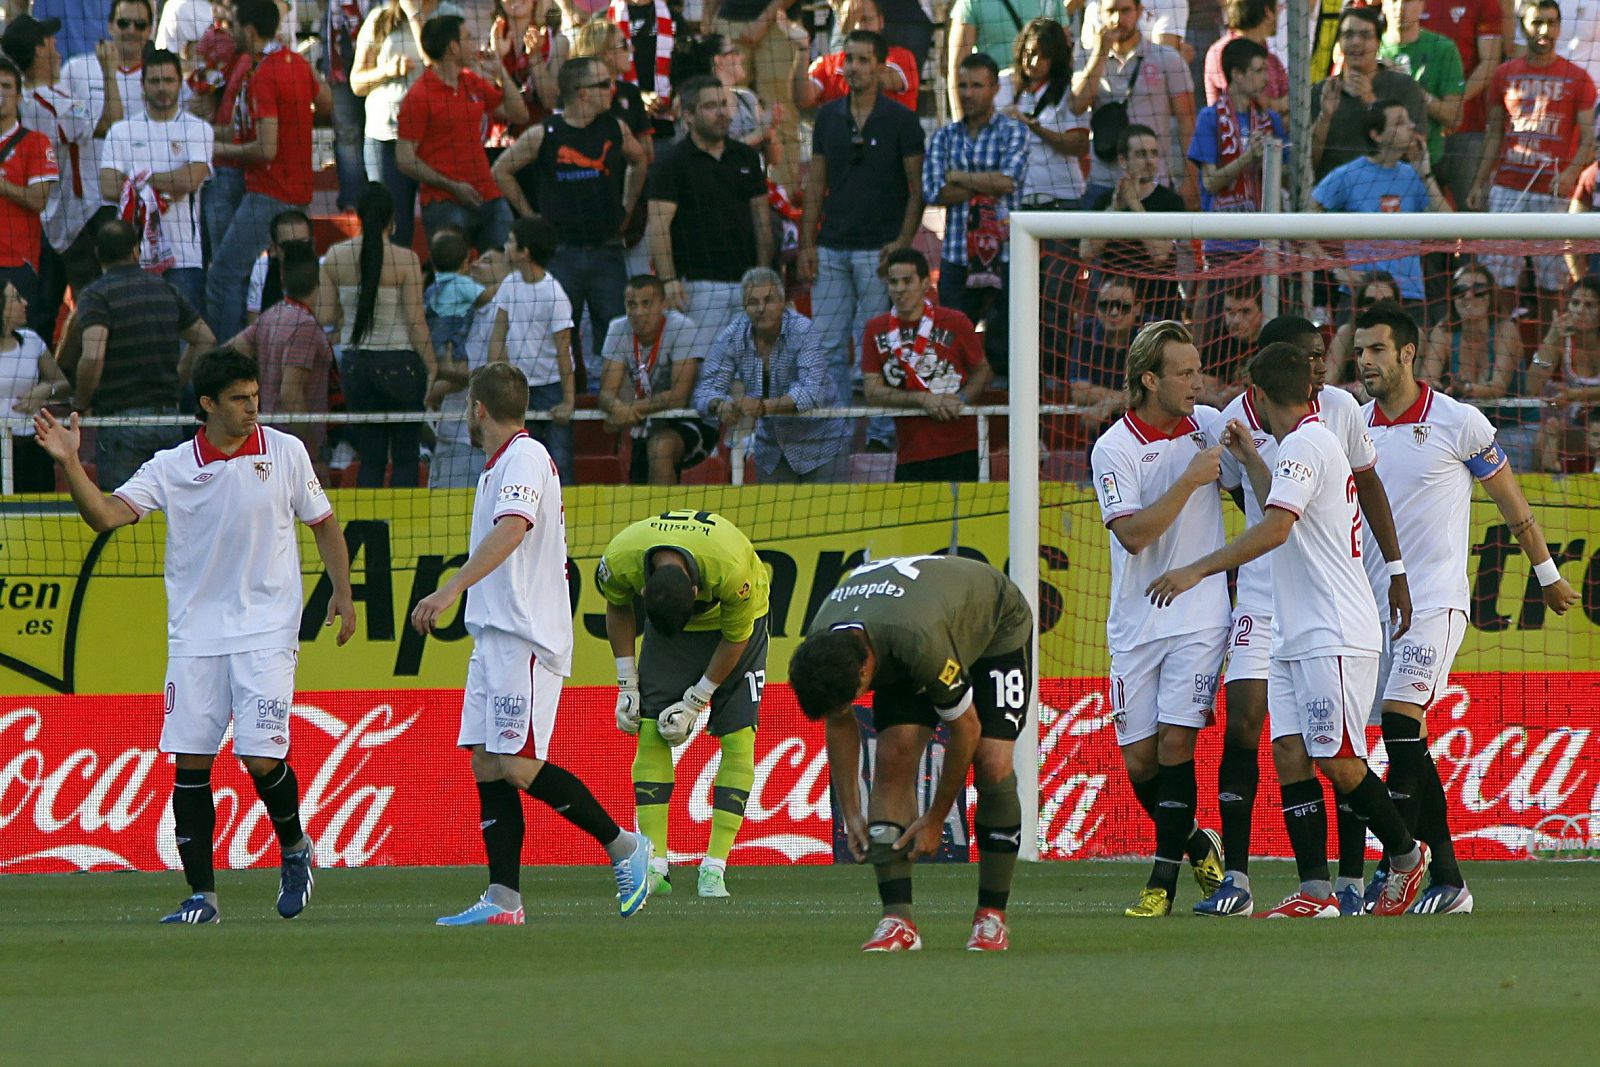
(518, 494)
(1294, 471)
(1108, 489)
(744, 591)
(950, 673)
(314, 487)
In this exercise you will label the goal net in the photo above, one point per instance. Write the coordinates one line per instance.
(1512, 734)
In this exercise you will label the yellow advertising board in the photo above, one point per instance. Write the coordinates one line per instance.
(87, 614)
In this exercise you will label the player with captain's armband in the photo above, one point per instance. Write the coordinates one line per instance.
(704, 592)
(1432, 451)
(1325, 635)
(1156, 471)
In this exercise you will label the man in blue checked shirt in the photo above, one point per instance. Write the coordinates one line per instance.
(974, 168)
(766, 364)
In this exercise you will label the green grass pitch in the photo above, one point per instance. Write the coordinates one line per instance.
(774, 975)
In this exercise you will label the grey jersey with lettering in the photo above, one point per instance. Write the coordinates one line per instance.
(929, 618)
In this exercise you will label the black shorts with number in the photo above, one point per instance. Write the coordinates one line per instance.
(670, 665)
(1000, 687)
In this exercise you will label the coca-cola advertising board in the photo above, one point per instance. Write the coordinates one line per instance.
(82, 786)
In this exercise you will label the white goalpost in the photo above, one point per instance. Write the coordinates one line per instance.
(1029, 229)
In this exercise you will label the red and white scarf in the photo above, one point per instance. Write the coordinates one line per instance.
(909, 356)
(1245, 192)
(141, 207)
(618, 14)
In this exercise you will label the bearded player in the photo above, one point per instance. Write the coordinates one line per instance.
(1325, 634)
(521, 625)
(1250, 638)
(1156, 472)
(1432, 451)
(935, 639)
(704, 592)
(231, 496)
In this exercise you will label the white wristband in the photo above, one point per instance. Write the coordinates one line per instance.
(626, 672)
(1547, 572)
(1394, 568)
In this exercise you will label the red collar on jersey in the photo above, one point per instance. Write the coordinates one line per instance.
(205, 452)
(1311, 416)
(502, 449)
(1148, 434)
(1417, 412)
(1255, 419)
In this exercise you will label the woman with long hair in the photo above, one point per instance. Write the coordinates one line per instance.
(1566, 371)
(29, 379)
(375, 290)
(1473, 354)
(600, 39)
(388, 62)
(526, 38)
(1372, 287)
(1037, 92)
(719, 57)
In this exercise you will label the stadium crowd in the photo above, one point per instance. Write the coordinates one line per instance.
(736, 212)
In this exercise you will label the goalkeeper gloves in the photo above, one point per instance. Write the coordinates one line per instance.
(677, 721)
(628, 705)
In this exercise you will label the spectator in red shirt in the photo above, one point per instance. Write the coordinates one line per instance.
(28, 176)
(823, 80)
(1478, 28)
(1539, 135)
(271, 142)
(293, 351)
(1255, 20)
(443, 119)
(925, 357)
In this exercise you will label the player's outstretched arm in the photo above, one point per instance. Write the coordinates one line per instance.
(1374, 501)
(60, 441)
(843, 739)
(336, 561)
(1141, 529)
(1266, 535)
(924, 835)
(492, 551)
(1503, 488)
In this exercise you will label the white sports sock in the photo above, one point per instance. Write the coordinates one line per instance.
(720, 866)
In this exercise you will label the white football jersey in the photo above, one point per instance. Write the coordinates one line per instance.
(527, 594)
(1134, 464)
(233, 558)
(1322, 605)
(1342, 416)
(1428, 458)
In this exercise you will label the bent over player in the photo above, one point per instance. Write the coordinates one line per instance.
(521, 625)
(1431, 451)
(232, 574)
(935, 639)
(1156, 471)
(1325, 635)
(705, 646)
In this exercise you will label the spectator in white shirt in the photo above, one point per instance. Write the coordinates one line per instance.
(1037, 92)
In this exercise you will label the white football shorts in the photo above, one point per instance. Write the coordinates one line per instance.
(255, 689)
(1416, 668)
(1171, 680)
(1324, 699)
(1249, 648)
(510, 703)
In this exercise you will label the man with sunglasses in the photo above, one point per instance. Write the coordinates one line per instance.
(129, 27)
(585, 171)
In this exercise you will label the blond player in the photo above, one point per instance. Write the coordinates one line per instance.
(517, 613)
(1250, 638)
(1432, 451)
(1156, 472)
(1326, 635)
(232, 573)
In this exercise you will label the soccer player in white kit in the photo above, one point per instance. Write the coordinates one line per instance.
(232, 573)
(1155, 470)
(1325, 631)
(1250, 639)
(520, 619)
(1431, 451)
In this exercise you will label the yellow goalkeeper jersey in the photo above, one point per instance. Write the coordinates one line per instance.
(730, 579)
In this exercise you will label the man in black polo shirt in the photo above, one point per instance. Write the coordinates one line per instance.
(709, 219)
(866, 185)
(131, 322)
(585, 171)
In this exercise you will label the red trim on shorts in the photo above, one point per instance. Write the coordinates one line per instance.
(1345, 747)
(529, 749)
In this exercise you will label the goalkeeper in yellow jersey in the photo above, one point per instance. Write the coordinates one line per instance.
(705, 646)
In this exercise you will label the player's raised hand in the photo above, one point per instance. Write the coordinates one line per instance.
(425, 616)
(923, 837)
(1559, 596)
(1237, 439)
(343, 606)
(1205, 467)
(60, 441)
(1167, 588)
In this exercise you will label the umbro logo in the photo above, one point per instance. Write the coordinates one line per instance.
(204, 476)
(1149, 457)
